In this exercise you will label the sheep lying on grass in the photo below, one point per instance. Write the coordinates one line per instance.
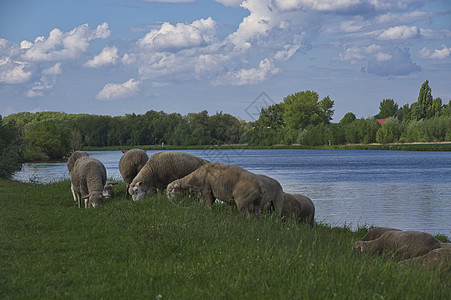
(88, 179)
(131, 163)
(71, 163)
(161, 169)
(228, 183)
(400, 244)
(299, 208)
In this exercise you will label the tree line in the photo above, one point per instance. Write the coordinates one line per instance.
(300, 118)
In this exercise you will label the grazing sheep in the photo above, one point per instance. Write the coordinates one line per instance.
(131, 163)
(273, 196)
(298, 207)
(376, 232)
(437, 258)
(70, 166)
(161, 169)
(400, 244)
(228, 183)
(88, 178)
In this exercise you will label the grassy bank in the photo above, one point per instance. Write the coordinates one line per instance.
(181, 250)
(397, 147)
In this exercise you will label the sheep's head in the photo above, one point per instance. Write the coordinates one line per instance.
(174, 189)
(108, 188)
(93, 200)
(138, 191)
(359, 246)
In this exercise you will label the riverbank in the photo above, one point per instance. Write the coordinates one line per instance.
(443, 146)
(156, 248)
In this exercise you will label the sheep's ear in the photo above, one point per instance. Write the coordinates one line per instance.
(177, 184)
(114, 182)
(139, 183)
(86, 196)
(124, 151)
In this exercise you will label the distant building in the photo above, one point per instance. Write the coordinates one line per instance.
(381, 121)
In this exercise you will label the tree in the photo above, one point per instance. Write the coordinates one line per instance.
(302, 109)
(11, 157)
(271, 116)
(423, 108)
(387, 108)
(348, 118)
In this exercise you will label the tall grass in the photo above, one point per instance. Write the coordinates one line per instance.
(155, 248)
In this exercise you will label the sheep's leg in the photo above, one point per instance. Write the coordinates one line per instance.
(73, 192)
(251, 203)
(208, 196)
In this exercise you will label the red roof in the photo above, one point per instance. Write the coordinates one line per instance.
(381, 121)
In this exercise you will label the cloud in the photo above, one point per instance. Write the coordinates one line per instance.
(117, 91)
(395, 63)
(436, 54)
(231, 3)
(346, 6)
(13, 72)
(108, 56)
(400, 33)
(174, 37)
(63, 45)
(249, 76)
(54, 70)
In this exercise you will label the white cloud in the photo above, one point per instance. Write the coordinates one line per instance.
(54, 70)
(287, 52)
(436, 54)
(231, 3)
(108, 56)
(249, 76)
(400, 33)
(117, 91)
(321, 5)
(174, 37)
(13, 72)
(60, 45)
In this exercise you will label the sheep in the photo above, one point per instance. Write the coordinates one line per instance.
(402, 244)
(299, 208)
(228, 183)
(88, 178)
(70, 166)
(376, 232)
(437, 258)
(131, 163)
(161, 169)
(273, 196)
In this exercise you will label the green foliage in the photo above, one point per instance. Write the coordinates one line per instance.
(390, 131)
(361, 131)
(11, 142)
(387, 108)
(348, 118)
(302, 109)
(156, 248)
(423, 108)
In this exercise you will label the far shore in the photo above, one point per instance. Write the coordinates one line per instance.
(416, 146)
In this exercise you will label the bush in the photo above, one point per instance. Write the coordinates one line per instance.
(11, 157)
(390, 132)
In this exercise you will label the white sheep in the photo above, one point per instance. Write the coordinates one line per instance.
(131, 163)
(88, 178)
(70, 166)
(161, 169)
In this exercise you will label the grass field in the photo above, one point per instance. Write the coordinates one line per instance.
(158, 249)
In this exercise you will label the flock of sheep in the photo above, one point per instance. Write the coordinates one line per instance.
(183, 174)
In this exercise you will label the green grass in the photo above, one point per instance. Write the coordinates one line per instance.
(49, 248)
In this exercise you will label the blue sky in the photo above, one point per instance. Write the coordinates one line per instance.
(119, 57)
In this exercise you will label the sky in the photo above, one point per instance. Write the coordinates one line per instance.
(121, 57)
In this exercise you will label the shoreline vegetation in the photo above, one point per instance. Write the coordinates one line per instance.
(167, 249)
(426, 146)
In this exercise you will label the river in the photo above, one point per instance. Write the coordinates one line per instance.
(405, 190)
